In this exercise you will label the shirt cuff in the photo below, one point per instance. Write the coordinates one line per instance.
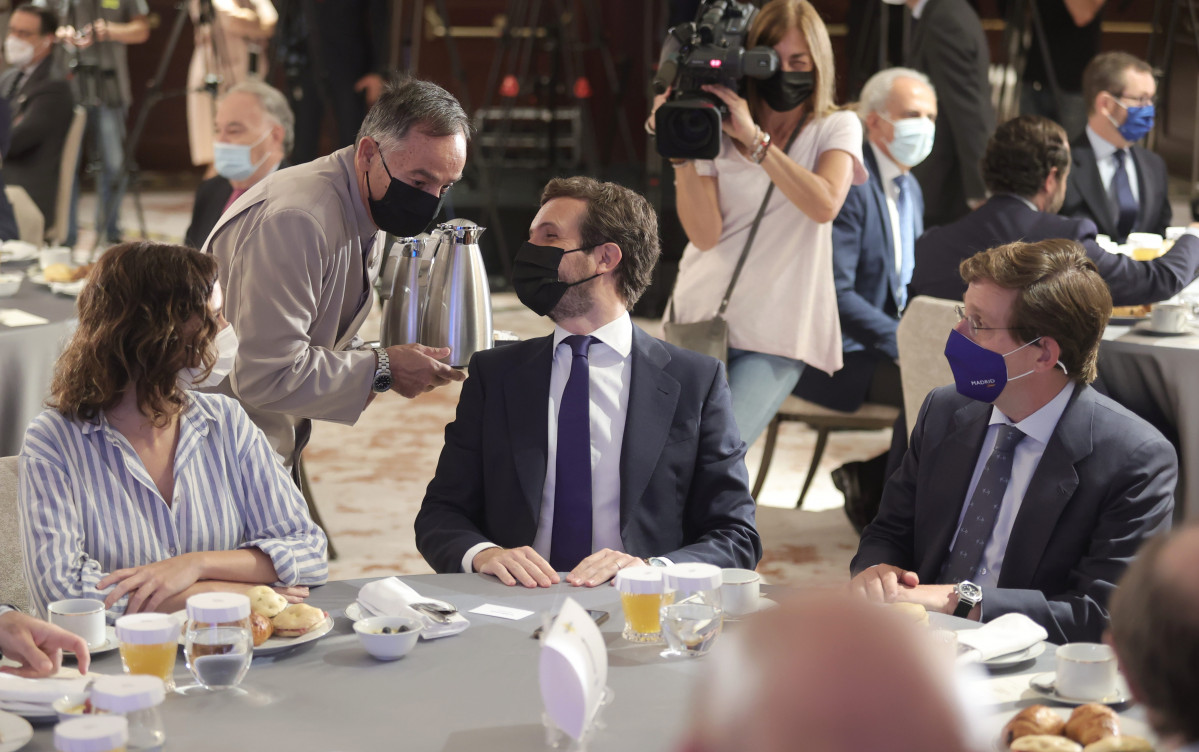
(5, 609)
(472, 552)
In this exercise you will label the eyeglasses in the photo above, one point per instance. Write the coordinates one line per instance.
(976, 327)
(1146, 101)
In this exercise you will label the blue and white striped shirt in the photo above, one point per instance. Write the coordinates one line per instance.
(88, 506)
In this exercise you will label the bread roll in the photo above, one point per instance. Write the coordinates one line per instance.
(914, 611)
(1091, 722)
(264, 600)
(297, 619)
(1044, 743)
(1120, 744)
(59, 273)
(1034, 720)
(262, 628)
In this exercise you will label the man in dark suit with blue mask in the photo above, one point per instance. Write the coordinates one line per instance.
(1023, 490)
(1115, 183)
(598, 446)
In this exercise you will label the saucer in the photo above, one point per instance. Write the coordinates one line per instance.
(1020, 656)
(764, 604)
(1146, 328)
(1043, 685)
(15, 732)
(110, 643)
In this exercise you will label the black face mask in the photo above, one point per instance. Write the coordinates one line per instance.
(535, 276)
(403, 211)
(786, 90)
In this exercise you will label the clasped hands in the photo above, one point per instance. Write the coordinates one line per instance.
(524, 565)
(884, 583)
(151, 585)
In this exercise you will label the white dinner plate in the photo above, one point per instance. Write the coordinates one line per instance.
(37, 277)
(1042, 684)
(1020, 656)
(1128, 727)
(15, 732)
(275, 645)
(35, 712)
(18, 250)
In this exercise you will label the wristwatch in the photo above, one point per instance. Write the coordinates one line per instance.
(656, 561)
(969, 595)
(382, 380)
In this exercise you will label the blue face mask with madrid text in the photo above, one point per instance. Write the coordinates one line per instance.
(979, 373)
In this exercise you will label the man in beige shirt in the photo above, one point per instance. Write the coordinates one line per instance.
(300, 250)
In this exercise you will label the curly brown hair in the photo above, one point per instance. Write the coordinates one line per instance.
(1022, 152)
(142, 315)
(1061, 296)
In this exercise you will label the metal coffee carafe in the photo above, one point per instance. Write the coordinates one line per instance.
(404, 289)
(458, 313)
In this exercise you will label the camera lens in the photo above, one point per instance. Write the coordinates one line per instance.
(689, 129)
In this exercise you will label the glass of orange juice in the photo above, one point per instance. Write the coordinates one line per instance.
(640, 591)
(148, 645)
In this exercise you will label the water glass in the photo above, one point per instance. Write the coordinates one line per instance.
(218, 643)
(690, 628)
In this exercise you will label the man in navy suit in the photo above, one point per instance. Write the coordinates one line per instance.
(598, 446)
(1116, 184)
(1027, 167)
(1037, 503)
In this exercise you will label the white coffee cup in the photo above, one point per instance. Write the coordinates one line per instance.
(82, 616)
(739, 591)
(1169, 318)
(1085, 671)
(56, 255)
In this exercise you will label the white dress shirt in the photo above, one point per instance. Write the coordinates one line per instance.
(887, 172)
(1038, 429)
(1106, 162)
(609, 369)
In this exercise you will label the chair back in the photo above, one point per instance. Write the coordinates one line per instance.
(14, 591)
(921, 338)
(31, 225)
(57, 234)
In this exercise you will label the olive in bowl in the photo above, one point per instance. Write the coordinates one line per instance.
(388, 637)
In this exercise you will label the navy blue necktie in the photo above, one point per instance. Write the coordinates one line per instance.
(980, 517)
(570, 540)
(1126, 205)
(910, 227)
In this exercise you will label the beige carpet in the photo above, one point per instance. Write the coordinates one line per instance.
(369, 479)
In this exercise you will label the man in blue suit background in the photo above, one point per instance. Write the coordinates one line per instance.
(874, 238)
(595, 447)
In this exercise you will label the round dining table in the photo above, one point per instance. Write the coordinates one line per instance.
(477, 690)
(27, 356)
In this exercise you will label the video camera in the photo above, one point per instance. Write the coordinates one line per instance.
(710, 50)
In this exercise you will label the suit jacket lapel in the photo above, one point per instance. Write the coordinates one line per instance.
(878, 191)
(1148, 192)
(653, 396)
(958, 453)
(1085, 173)
(527, 394)
(1052, 486)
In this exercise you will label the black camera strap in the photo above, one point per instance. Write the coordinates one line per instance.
(753, 230)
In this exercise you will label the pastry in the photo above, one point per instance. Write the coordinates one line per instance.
(261, 627)
(297, 619)
(1032, 721)
(1120, 744)
(59, 273)
(1091, 722)
(1044, 743)
(264, 600)
(914, 611)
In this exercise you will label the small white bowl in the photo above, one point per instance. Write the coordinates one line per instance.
(9, 284)
(71, 706)
(387, 647)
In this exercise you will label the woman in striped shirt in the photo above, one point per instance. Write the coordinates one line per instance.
(136, 490)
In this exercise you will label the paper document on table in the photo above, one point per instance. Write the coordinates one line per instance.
(573, 669)
(17, 317)
(1009, 688)
(501, 612)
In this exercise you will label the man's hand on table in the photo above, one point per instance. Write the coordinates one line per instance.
(416, 369)
(600, 567)
(882, 582)
(37, 645)
(512, 565)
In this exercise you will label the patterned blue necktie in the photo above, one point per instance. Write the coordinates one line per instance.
(570, 540)
(910, 227)
(984, 508)
(1126, 205)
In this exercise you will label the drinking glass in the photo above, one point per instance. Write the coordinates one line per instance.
(218, 643)
(148, 644)
(640, 591)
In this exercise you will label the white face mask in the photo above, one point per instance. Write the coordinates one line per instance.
(226, 353)
(18, 52)
(234, 162)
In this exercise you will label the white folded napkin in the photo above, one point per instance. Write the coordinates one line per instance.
(1009, 633)
(390, 597)
(18, 689)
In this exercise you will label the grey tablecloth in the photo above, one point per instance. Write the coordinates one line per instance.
(27, 356)
(1154, 376)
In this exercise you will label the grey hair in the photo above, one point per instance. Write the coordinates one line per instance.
(274, 104)
(877, 90)
(409, 103)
